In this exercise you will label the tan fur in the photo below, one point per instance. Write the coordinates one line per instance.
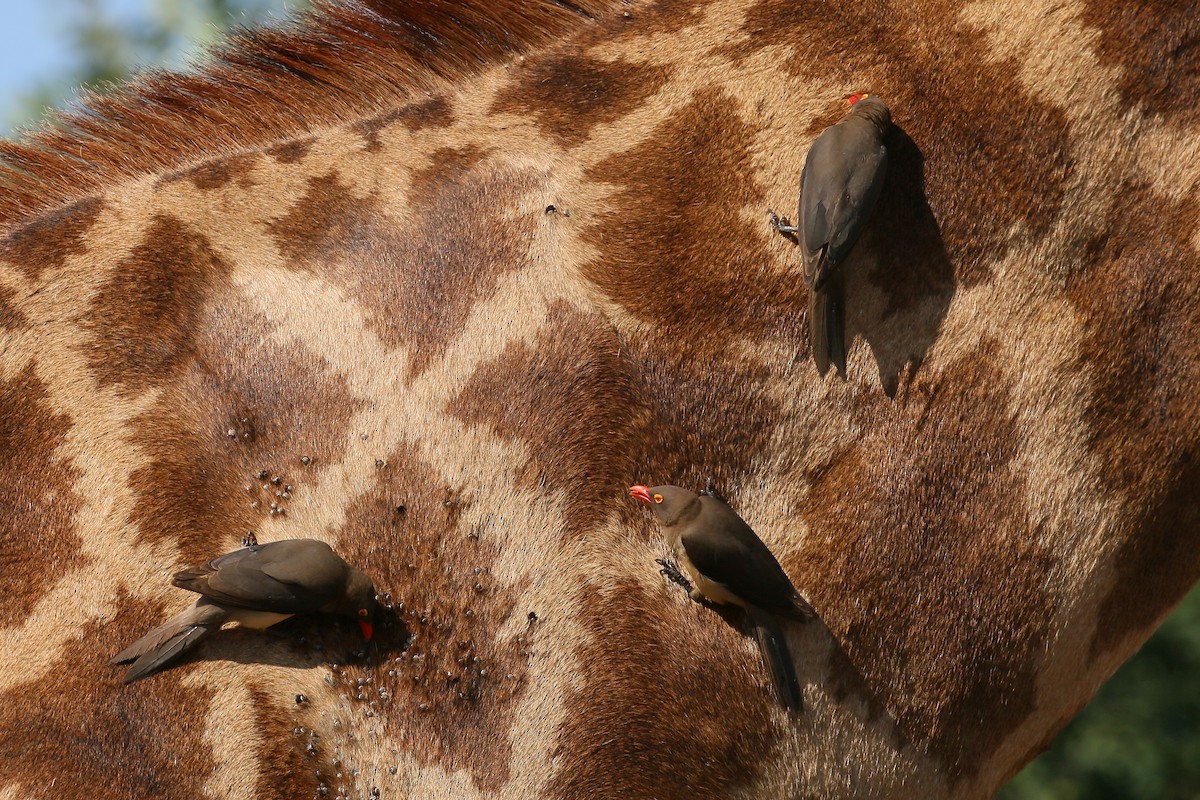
(340, 266)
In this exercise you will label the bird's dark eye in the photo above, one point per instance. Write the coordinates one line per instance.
(658, 498)
(362, 612)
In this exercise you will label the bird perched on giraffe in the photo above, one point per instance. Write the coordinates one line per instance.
(728, 564)
(256, 587)
(839, 189)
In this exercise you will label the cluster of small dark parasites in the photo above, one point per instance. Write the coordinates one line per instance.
(276, 491)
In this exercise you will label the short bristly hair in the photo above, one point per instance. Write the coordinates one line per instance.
(337, 62)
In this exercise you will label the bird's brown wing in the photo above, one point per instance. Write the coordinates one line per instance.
(290, 577)
(726, 550)
(839, 187)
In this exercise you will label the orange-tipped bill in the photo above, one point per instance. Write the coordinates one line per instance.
(640, 492)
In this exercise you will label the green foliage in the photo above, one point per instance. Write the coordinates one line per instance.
(1140, 736)
(108, 49)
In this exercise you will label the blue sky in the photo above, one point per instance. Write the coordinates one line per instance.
(35, 47)
(32, 44)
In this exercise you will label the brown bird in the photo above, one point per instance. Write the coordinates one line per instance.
(839, 187)
(729, 564)
(256, 587)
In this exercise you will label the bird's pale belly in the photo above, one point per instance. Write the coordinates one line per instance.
(255, 619)
(711, 591)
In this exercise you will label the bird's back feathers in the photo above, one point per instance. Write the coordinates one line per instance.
(839, 187)
(293, 576)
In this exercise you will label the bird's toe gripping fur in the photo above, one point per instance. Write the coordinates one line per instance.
(671, 570)
(785, 228)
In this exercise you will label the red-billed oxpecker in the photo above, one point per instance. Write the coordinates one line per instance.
(256, 587)
(729, 564)
(843, 176)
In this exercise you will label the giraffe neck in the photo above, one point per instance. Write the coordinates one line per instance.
(447, 324)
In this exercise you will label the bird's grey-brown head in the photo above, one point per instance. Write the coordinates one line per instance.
(359, 601)
(873, 108)
(671, 504)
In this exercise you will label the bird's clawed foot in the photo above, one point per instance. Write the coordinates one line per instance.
(249, 540)
(671, 570)
(786, 229)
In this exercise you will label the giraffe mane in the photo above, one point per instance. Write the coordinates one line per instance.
(339, 61)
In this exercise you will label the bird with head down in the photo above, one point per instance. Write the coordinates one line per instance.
(256, 587)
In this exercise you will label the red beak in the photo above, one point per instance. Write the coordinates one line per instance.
(640, 492)
(366, 629)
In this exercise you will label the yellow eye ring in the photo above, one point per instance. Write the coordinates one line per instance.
(658, 498)
(362, 612)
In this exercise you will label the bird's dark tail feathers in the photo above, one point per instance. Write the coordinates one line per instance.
(776, 658)
(827, 327)
(171, 640)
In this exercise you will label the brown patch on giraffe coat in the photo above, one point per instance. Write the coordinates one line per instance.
(682, 256)
(432, 113)
(831, 113)
(995, 157)
(698, 270)
(1156, 47)
(324, 222)
(916, 522)
(145, 319)
(190, 494)
(643, 659)
(457, 684)
(293, 150)
(703, 421)
(199, 487)
(447, 165)
(1141, 309)
(286, 770)
(217, 172)
(49, 240)
(11, 317)
(1162, 544)
(419, 277)
(80, 731)
(569, 94)
(570, 397)
(661, 18)
(37, 499)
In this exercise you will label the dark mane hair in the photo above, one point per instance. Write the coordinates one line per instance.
(337, 62)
